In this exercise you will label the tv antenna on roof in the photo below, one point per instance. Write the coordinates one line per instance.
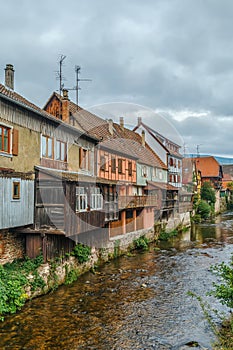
(77, 88)
(59, 74)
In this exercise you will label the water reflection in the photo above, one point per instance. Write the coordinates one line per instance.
(137, 302)
(219, 230)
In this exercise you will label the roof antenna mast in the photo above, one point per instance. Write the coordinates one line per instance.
(77, 71)
(60, 73)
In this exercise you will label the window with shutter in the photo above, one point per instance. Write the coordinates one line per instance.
(120, 166)
(130, 169)
(5, 139)
(102, 163)
(113, 164)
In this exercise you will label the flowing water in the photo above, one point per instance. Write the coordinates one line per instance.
(134, 302)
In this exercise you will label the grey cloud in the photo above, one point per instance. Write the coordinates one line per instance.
(164, 54)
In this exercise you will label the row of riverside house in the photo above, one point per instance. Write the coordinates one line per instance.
(68, 176)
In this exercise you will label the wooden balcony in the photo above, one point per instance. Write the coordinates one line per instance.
(168, 204)
(125, 202)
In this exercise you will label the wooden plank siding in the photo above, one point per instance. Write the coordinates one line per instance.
(49, 206)
(51, 246)
(22, 208)
(56, 207)
(77, 223)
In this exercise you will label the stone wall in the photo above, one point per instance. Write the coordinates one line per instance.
(178, 219)
(55, 273)
(54, 276)
(11, 246)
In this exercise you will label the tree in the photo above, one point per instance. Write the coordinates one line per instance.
(208, 193)
(203, 209)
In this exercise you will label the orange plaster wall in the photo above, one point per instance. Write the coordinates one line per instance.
(148, 217)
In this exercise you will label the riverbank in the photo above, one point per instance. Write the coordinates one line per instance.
(25, 279)
(225, 335)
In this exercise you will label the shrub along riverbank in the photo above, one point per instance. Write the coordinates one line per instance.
(223, 291)
(25, 279)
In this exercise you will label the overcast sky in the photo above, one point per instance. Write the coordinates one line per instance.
(172, 56)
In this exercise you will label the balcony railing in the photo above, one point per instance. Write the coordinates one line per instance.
(125, 202)
(168, 203)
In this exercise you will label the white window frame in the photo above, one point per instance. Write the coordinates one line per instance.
(81, 199)
(96, 199)
(58, 145)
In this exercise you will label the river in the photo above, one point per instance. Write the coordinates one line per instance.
(134, 302)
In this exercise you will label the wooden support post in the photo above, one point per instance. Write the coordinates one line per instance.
(135, 219)
(123, 220)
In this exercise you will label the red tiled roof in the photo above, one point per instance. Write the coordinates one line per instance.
(208, 166)
(145, 154)
(99, 128)
(87, 122)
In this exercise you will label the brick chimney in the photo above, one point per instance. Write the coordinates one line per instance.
(9, 76)
(143, 138)
(122, 123)
(65, 106)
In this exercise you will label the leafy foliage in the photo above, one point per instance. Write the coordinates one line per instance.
(224, 290)
(14, 279)
(203, 209)
(165, 236)
(71, 276)
(81, 252)
(208, 193)
(141, 243)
